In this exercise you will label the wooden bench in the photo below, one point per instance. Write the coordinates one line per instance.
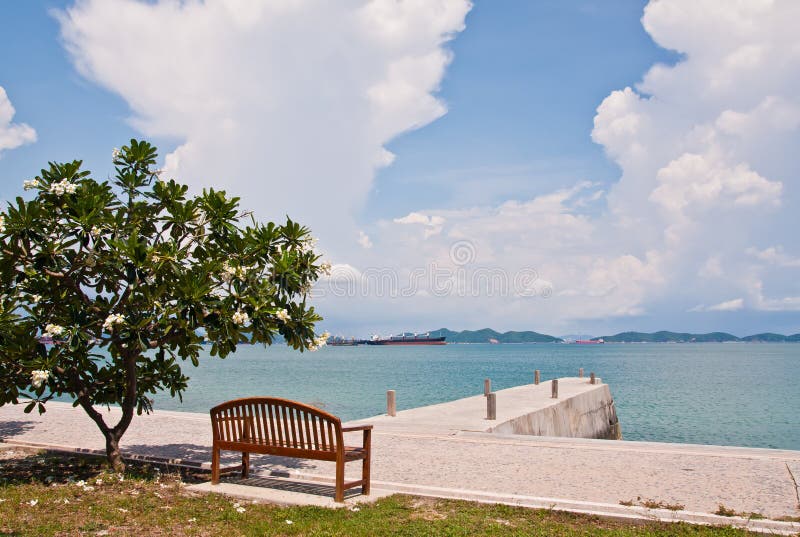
(272, 426)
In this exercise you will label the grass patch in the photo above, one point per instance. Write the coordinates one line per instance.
(56, 494)
(653, 504)
(727, 511)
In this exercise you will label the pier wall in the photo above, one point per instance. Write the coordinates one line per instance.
(590, 414)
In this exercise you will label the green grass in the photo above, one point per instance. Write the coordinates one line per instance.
(41, 494)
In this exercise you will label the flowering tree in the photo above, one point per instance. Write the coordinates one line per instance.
(106, 289)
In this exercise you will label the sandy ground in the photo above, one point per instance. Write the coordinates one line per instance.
(698, 477)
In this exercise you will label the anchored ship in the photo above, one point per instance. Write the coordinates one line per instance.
(407, 340)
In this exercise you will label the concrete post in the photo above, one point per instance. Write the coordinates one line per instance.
(491, 406)
(391, 404)
(555, 389)
(592, 378)
(580, 373)
(536, 377)
(487, 386)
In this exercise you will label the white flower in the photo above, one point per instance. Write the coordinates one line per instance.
(289, 522)
(120, 478)
(240, 317)
(39, 377)
(192, 520)
(98, 482)
(2, 223)
(240, 509)
(63, 186)
(322, 340)
(33, 183)
(96, 231)
(88, 488)
(283, 315)
(80, 483)
(228, 272)
(33, 502)
(36, 298)
(111, 320)
(66, 500)
(115, 153)
(355, 509)
(53, 330)
(325, 268)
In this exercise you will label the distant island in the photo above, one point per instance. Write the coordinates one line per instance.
(488, 335)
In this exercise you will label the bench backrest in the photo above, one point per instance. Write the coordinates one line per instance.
(276, 422)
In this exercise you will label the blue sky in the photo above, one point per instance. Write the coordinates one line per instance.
(636, 158)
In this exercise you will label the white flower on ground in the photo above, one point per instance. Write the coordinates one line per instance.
(283, 315)
(63, 187)
(111, 320)
(80, 483)
(98, 482)
(355, 509)
(115, 153)
(88, 488)
(53, 330)
(289, 522)
(29, 185)
(240, 509)
(2, 223)
(39, 377)
(240, 317)
(33, 502)
(192, 520)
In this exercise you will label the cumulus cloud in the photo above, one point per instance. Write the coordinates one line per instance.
(12, 135)
(292, 104)
(287, 102)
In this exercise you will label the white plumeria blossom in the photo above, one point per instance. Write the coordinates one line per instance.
(39, 377)
(325, 268)
(32, 503)
(96, 231)
(2, 223)
(111, 320)
(29, 185)
(36, 298)
(289, 522)
(283, 315)
(63, 187)
(115, 153)
(228, 272)
(240, 317)
(53, 330)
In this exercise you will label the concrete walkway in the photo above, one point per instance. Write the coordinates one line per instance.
(574, 474)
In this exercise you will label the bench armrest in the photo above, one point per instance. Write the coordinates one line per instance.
(357, 428)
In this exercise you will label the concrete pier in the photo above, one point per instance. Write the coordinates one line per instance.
(582, 410)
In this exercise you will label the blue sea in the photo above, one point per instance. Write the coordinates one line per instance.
(738, 394)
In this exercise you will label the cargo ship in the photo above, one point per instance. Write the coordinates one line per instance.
(590, 341)
(407, 340)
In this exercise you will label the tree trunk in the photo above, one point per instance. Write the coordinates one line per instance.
(112, 451)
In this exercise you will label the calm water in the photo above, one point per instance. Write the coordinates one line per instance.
(728, 394)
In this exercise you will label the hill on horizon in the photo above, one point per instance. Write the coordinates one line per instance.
(486, 334)
(685, 337)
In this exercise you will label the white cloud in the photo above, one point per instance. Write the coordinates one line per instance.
(12, 135)
(287, 102)
(292, 104)
(364, 240)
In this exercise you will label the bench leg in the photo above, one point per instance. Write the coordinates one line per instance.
(339, 481)
(365, 463)
(245, 464)
(214, 466)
